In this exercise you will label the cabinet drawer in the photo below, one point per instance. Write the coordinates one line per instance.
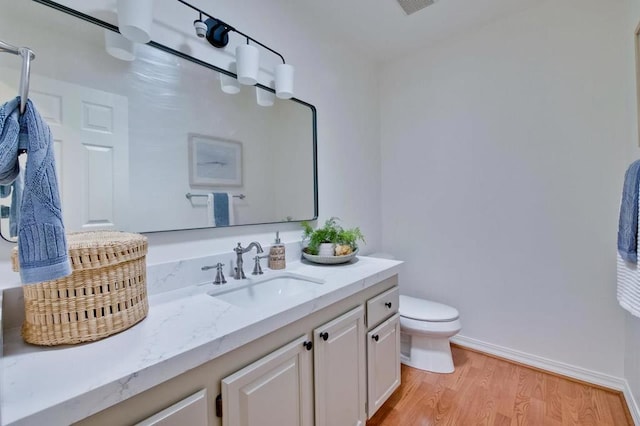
(382, 306)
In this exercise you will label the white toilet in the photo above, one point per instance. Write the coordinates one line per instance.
(425, 328)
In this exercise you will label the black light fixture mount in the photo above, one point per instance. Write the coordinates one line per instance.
(218, 31)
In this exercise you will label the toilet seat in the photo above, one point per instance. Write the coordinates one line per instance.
(426, 310)
(428, 328)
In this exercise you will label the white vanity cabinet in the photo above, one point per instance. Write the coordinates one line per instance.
(383, 348)
(276, 390)
(339, 371)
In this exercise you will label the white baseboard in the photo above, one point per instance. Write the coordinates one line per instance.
(579, 373)
(632, 403)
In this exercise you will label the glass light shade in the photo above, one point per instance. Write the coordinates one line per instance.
(248, 63)
(135, 18)
(284, 81)
(229, 84)
(118, 46)
(264, 97)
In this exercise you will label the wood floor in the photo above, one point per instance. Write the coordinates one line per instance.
(488, 391)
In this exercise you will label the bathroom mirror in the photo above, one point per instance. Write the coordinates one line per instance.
(142, 145)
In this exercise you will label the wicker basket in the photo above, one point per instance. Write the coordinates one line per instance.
(105, 294)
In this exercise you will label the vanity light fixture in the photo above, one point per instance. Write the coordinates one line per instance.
(118, 46)
(248, 63)
(264, 97)
(135, 18)
(247, 55)
(284, 81)
(229, 84)
(200, 27)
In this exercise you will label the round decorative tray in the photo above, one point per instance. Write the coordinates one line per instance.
(329, 260)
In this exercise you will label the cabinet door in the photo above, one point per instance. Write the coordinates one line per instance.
(276, 390)
(339, 372)
(190, 411)
(383, 362)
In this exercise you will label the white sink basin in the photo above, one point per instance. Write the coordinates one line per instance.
(281, 289)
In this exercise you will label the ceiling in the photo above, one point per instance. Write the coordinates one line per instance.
(381, 30)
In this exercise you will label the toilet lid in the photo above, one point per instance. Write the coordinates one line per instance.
(426, 310)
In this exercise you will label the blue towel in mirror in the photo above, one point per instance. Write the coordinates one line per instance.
(221, 208)
(628, 223)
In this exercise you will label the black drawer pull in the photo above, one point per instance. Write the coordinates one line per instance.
(375, 337)
(388, 305)
(324, 336)
(308, 345)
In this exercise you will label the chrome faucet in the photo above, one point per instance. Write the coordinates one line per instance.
(239, 273)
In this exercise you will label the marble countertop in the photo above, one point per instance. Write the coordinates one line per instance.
(184, 329)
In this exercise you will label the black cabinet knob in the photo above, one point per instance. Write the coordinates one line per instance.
(375, 337)
(324, 336)
(308, 345)
(388, 305)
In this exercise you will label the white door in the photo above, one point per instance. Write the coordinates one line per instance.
(339, 372)
(191, 411)
(90, 131)
(383, 362)
(276, 390)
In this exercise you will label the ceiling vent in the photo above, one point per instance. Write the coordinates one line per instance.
(412, 6)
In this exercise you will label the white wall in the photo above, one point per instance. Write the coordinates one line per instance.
(341, 85)
(503, 153)
(632, 337)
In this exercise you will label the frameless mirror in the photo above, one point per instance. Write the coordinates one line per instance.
(156, 140)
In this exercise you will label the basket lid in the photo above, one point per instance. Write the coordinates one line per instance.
(96, 249)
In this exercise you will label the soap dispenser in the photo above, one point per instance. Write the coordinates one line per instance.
(276, 254)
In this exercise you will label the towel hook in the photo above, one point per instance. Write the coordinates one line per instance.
(27, 56)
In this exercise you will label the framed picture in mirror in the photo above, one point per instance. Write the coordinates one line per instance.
(214, 161)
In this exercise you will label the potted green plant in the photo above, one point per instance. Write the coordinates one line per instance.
(331, 239)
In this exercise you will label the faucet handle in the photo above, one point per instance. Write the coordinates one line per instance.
(257, 269)
(219, 274)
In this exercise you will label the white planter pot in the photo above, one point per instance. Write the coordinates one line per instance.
(326, 249)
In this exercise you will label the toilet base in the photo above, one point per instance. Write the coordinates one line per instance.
(426, 353)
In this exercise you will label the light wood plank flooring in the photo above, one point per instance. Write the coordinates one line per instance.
(488, 391)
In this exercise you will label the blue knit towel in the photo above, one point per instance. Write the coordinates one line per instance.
(42, 246)
(628, 223)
